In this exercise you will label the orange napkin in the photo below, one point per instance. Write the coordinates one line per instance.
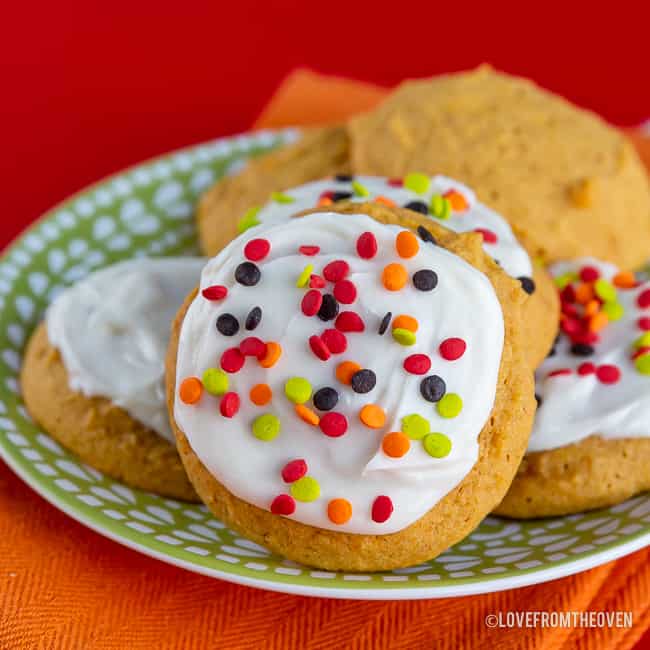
(63, 586)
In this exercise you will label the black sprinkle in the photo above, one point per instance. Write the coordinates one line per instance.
(344, 178)
(227, 324)
(363, 381)
(582, 349)
(329, 308)
(539, 400)
(527, 284)
(247, 274)
(426, 236)
(433, 388)
(325, 399)
(253, 319)
(385, 322)
(425, 280)
(341, 196)
(418, 206)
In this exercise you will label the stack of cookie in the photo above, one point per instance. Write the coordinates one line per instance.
(378, 353)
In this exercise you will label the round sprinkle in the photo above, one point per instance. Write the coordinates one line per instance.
(643, 299)
(624, 280)
(349, 321)
(316, 282)
(247, 274)
(404, 337)
(363, 381)
(382, 509)
(385, 322)
(345, 292)
(251, 346)
(227, 325)
(190, 390)
(562, 281)
(642, 341)
(440, 207)
(359, 189)
(325, 399)
(283, 504)
(582, 350)
(366, 246)
(527, 284)
(405, 322)
(373, 416)
(249, 219)
(253, 319)
(339, 511)
(589, 274)
(425, 235)
(457, 200)
(305, 489)
(488, 236)
(309, 251)
(394, 277)
(215, 381)
(644, 323)
(415, 426)
(273, 353)
(306, 415)
(232, 360)
(417, 364)
(297, 389)
(418, 206)
(406, 244)
(450, 405)
(395, 444)
(319, 348)
(608, 374)
(335, 341)
(586, 368)
(604, 290)
(229, 405)
(614, 311)
(329, 308)
(257, 249)
(433, 388)
(437, 445)
(336, 271)
(311, 302)
(598, 321)
(215, 292)
(266, 427)
(452, 349)
(303, 278)
(346, 370)
(261, 394)
(333, 424)
(584, 293)
(418, 183)
(425, 280)
(642, 364)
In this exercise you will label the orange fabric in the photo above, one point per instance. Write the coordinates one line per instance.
(63, 586)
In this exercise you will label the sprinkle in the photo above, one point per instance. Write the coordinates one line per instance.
(323, 201)
(346, 370)
(215, 381)
(415, 426)
(406, 244)
(452, 349)
(417, 364)
(339, 511)
(297, 389)
(560, 372)
(247, 274)
(598, 322)
(232, 360)
(644, 323)
(605, 290)
(305, 489)
(488, 236)
(440, 207)
(309, 251)
(266, 427)
(385, 322)
(249, 219)
(373, 416)
(592, 307)
(335, 341)
(614, 310)
(394, 276)
(450, 405)
(642, 364)
(281, 197)
(564, 280)
(251, 346)
(283, 504)
(589, 274)
(395, 444)
(418, 183)
(643, 300)
(406, 322)
(311, 302)
(257, 249)
(345, 292)
(294, 470)
(333, 424)
(273, 353)
(229, 405)
(527, 284)
(359, 189)
(433, 388)
(253, 319)
(395, 182)
(426, 236)
(190, 390)
(404, 337)
(325, 399)
(349, 321)
(329, 309)
(642, 341)
(227, 325)
(304, 276)
(261, 394)
(336, 270)
(437, 445)
(640, 352)
(215, 292)
(382, 509)
(582, 350)
(319, 348)
(457, 200)
(586, 368)
(608, 374)
(425, 280)
(363, 381)
(316, 282)
(306, 415)
(341, 196)
(344, 178)
(418, 206)
(384, 200)
(366, 245)
(584, 293)
(624, 280)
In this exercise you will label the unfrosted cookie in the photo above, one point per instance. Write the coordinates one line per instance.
(590, 445)
(93, 371)
(569, 184)
(349, 394)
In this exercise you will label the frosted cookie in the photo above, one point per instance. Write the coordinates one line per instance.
(562, 177)
(348, 393)
(93, 373)
(319, 152)
(590, 445)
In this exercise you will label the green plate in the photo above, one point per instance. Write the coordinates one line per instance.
(147, 210)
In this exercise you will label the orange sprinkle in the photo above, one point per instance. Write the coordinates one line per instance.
(584, 293)
(372, 416)
(394, 276)
(339, 511)
(624, 280)
(307, 415)
(405, 322)
(261, 394)
(395, 444)
(407, 244)
(273, 353)
(598, 321)
(191, 390)
(345, 370)
(324, 201)
(386, 201)
(457, 200)
(592, 307)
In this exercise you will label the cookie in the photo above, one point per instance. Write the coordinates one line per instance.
(379, 404)
(224, 210)
(590, 445)
(569, 184)
(92, 375)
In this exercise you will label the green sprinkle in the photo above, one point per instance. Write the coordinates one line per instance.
(298, 390)
(643, 341)
(215, 381)
(266, 427)
(303, 278)
(450, 405)
(418, 183)
(359, 189)
(614, 310)
(642, 364)
(565, 279)
(605, 290)
(404, 336)
(440, 207)
(415, 426)
(437, 445)
(305, 489)
(281, 197)
(249, 219)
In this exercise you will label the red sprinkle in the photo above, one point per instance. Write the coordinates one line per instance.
(586, 368)
(336, 270)
(345, 292)
(252, 346)
(382, 509)
(452, 349)
(585, 337)
(568, 294)
(349, 321)
(395, 182)
(488, 236)
(311, 302)
(643, 299)
(229, 405)
(644, 323)
(570, 325)
(640, 352)
(333, 424)
(367, 246)
(309, 250)
(558, 373)
(417, 364)
(316, 282)
(232, 360)
(216, 292)
(319, 348)
(589, 274)
(283, 504)
(257, 249)
(608, 374)
(335, 341)
(327, 194)
(294, 470)
(569, 309)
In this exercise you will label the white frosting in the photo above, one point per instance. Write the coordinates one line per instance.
(352, 466)
(112, 330)
(507, 250)
(576, 406)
